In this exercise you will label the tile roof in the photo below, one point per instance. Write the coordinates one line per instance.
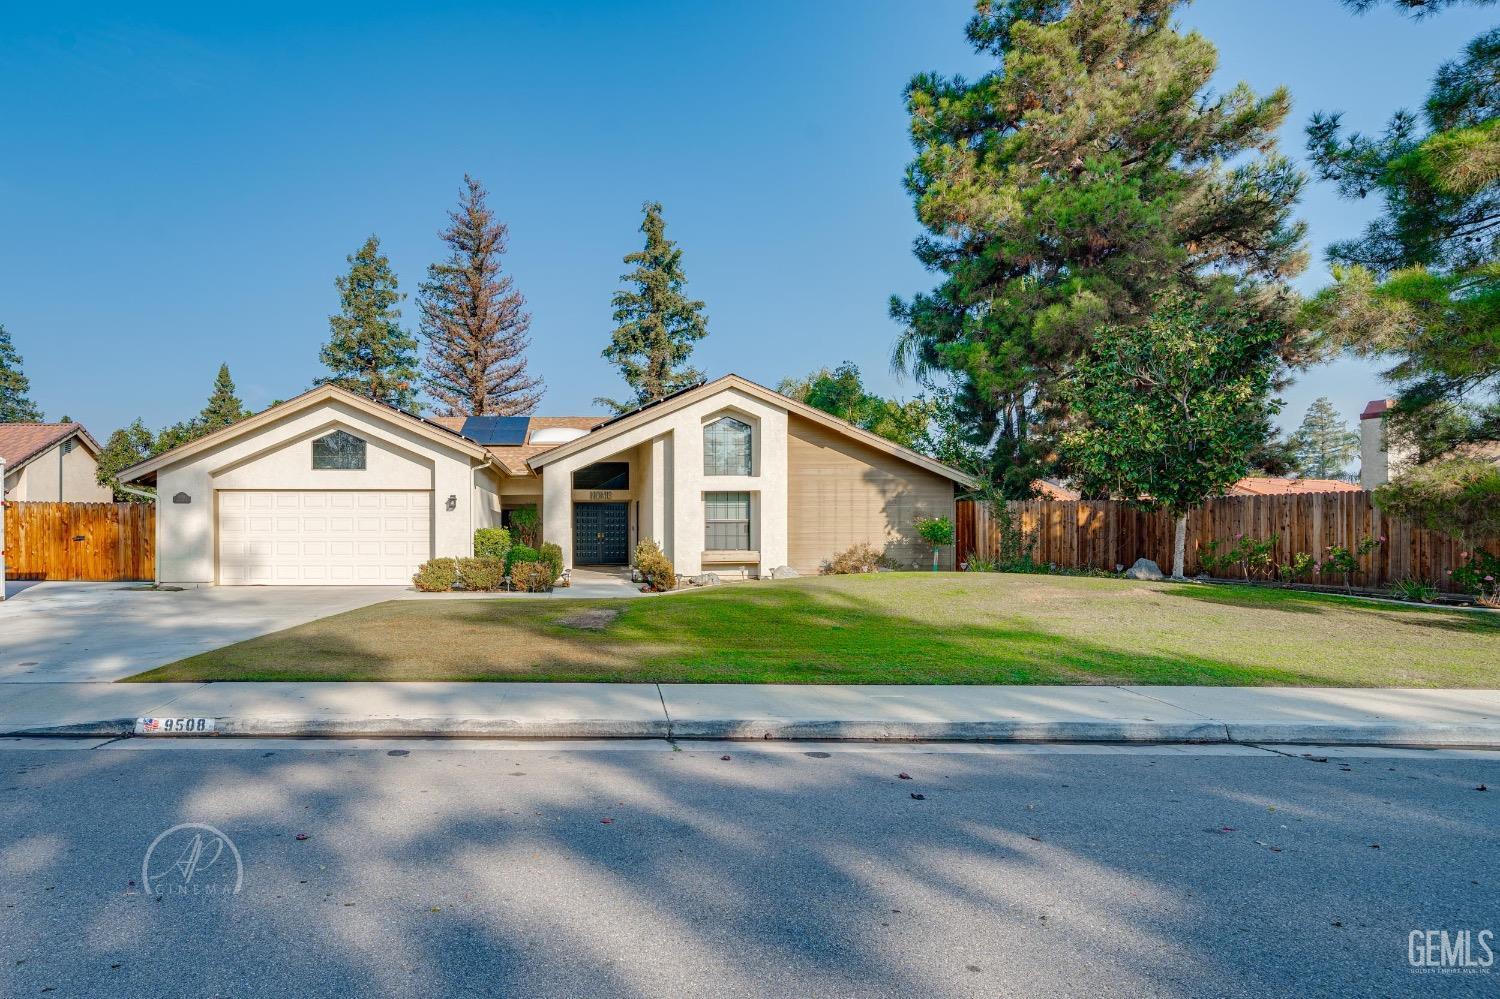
(1263, 485)
(20, 442)
(1375, 407)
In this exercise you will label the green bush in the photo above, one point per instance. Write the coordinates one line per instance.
(520, 553)
(481, 573)
(654, 566)
(436, 575)
(491, 542)
(552, 555)
(527, 525)
(1414, 588)
(531, 577)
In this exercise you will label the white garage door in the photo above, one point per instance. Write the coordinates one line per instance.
(313, 538)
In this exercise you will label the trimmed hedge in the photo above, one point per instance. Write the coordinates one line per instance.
(655, 567)
(531, 577)
(481, 573)
(518, 554)
(436, 575)
(552, 555)
(491, 542)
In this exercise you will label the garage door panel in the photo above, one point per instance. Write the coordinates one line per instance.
(322, 538)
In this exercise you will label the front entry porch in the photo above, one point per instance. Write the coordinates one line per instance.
(601, 534)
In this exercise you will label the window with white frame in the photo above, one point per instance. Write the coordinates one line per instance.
(726, 520)
(727, 447)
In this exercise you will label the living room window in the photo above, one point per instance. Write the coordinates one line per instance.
(338, 450)
(727, 447)
(726, 518)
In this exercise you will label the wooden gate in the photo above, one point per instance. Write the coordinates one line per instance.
(81, 541)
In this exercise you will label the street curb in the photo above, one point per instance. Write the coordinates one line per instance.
(1430, 736)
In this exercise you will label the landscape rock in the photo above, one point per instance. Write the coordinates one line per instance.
(1144, 568)
(705, 579)
(784, 572)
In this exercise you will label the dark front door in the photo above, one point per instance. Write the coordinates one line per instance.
(601, 534)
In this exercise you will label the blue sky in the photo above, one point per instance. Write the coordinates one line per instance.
(182, 182)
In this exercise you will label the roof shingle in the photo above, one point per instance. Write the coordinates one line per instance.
(20, 442)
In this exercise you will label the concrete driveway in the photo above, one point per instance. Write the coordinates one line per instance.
(73, 632)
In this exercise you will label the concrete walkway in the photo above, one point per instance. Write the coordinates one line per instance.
(1322, 716)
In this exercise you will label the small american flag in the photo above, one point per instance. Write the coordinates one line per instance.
(150, 725)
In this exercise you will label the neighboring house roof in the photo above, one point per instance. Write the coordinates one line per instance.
(431, 429)
(23, 442)
(627, 421)
(1376, 407)
(1264, 485)
(1054, 490)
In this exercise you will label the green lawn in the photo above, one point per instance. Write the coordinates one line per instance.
(888, 628)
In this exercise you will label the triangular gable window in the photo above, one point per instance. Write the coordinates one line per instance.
(338, 450)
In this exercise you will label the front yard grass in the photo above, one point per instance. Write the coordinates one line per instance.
(888, 628)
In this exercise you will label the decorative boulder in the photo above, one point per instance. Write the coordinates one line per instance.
(705, 579)
(1144, 568)
(784, 572)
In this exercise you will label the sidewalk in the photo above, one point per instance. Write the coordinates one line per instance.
(1314, 715)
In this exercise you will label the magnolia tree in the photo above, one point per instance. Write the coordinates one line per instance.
(1172, 408)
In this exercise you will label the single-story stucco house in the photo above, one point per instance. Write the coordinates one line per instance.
(728, 477)
(51, 462)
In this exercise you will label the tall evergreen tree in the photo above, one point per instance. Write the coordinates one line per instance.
(1083, 179)
(472, 319)
(658, 324)
(841, 392)
(1421, 287)
(1324, 444)
(15, 404)
(223, 409)
(367, 350)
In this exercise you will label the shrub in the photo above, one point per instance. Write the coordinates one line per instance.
(481, 573)
(1252, 555)
(1478, 576)
(531, 577)
(552, 555)
(491, 542)
(977, 564)
(436, 575)
(520, 553)
(654, 566)
(1412, 588)
(1300, 565)
(863, 557)
(527, 524)
(1459, 497)
(1346, 562)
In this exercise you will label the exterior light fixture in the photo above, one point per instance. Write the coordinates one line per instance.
(452, 503)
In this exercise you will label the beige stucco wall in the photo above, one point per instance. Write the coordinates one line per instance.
(843, 492)
(676, 470)
(279, 456)
(39, 480)
(1376, 464)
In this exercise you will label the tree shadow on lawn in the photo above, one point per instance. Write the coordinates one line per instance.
(779, 636)
(1305, 602)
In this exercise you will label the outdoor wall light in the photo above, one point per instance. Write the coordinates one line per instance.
(452, 503)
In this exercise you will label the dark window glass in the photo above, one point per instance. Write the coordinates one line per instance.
(726, 519)
(726, 447)
(603, 475)
(339, 450)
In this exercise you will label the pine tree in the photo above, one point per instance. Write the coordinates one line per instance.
(224, 406)
(367, 350)
(1091, 175)
(472, 319)
(658, 324)
(1324, 444)
(125, 447)
(15, 405)
(1420, 288)
(223, 409)
(841, 392)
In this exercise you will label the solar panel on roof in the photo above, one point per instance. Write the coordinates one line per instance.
(500, 431)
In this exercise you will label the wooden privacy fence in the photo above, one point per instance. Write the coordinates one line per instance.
(95, 541)
(1105, 534)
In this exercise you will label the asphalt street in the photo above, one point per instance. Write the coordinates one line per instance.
(647, 869)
